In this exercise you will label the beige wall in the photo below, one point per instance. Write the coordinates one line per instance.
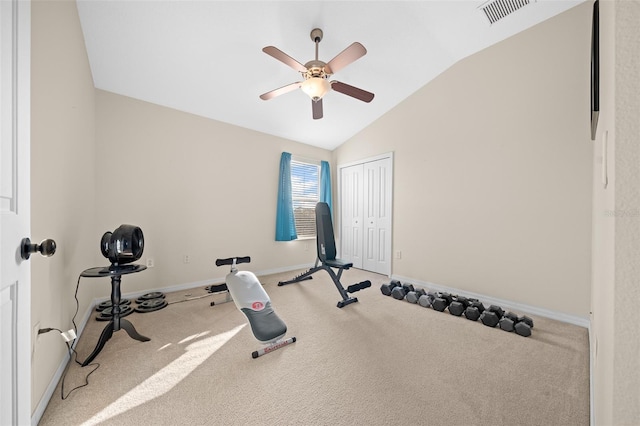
(195, 186)
(492, 170)
(616, 246)
(502, 206)
(626, 377)
(62, 178)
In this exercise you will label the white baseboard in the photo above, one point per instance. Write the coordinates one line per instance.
(488, 300)
(592, 360)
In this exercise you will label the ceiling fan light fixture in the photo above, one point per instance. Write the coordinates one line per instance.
(316, 87)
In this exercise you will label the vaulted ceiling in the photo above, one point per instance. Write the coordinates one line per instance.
(205, 57)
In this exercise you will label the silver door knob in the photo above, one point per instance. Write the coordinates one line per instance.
(46, 248)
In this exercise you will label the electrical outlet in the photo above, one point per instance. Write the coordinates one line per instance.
(398, 254)
(306, 246)
(150, 263)
(34, 337)
(186, 259)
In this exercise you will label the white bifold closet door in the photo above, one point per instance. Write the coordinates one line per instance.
(366, 206)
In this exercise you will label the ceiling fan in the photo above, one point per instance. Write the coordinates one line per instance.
(316, 74)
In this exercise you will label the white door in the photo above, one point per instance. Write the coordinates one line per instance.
(377, 216)
(15, 292)
(365, 214)
(351, 214)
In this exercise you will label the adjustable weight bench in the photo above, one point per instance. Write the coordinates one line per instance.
(326, 260)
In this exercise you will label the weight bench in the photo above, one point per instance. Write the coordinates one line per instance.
(326, 260)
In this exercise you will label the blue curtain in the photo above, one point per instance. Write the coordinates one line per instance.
(285, 224)
(325, 184)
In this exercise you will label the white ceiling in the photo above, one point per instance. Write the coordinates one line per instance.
(205, 57)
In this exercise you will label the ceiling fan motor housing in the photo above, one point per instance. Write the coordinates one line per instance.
(315, 69)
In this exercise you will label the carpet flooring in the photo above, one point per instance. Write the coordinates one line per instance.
(376, 362)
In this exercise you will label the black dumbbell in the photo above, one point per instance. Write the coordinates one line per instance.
(414, 296)
(474, 310)
(426, 300)
(508, 321)
(491, 316)
(386, 289)
(523, 326)
(400, 292)
(442, 300)
(458, 305)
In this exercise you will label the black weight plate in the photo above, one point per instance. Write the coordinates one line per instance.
(107, 304)
(151, 305)
(106, 314)
(148, 296)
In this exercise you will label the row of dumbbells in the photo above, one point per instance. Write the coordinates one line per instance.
(471, 308)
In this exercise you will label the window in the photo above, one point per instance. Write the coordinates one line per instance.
(305, 194)
(301, 184)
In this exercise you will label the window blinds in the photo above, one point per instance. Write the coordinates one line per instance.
(305, 190)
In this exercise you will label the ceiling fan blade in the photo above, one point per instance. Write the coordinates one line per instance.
(280, 91)
(284, 58)
(316, 107)
(353, 52)
(354, 92)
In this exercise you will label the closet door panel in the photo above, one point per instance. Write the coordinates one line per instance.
(377, 221)
(351, 217)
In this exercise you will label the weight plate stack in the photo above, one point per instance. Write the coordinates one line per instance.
(107, 314)
(149, 296)
(150, 305)
(107, 304)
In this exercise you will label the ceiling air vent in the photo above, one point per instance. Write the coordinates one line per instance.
(498, 9)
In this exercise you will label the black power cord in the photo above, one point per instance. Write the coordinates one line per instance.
(72, 352)
(86, 378)
(72, 355)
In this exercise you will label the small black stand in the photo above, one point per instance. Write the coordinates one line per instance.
(115, 272)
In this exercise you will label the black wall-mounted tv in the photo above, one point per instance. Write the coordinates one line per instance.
(595, 69)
